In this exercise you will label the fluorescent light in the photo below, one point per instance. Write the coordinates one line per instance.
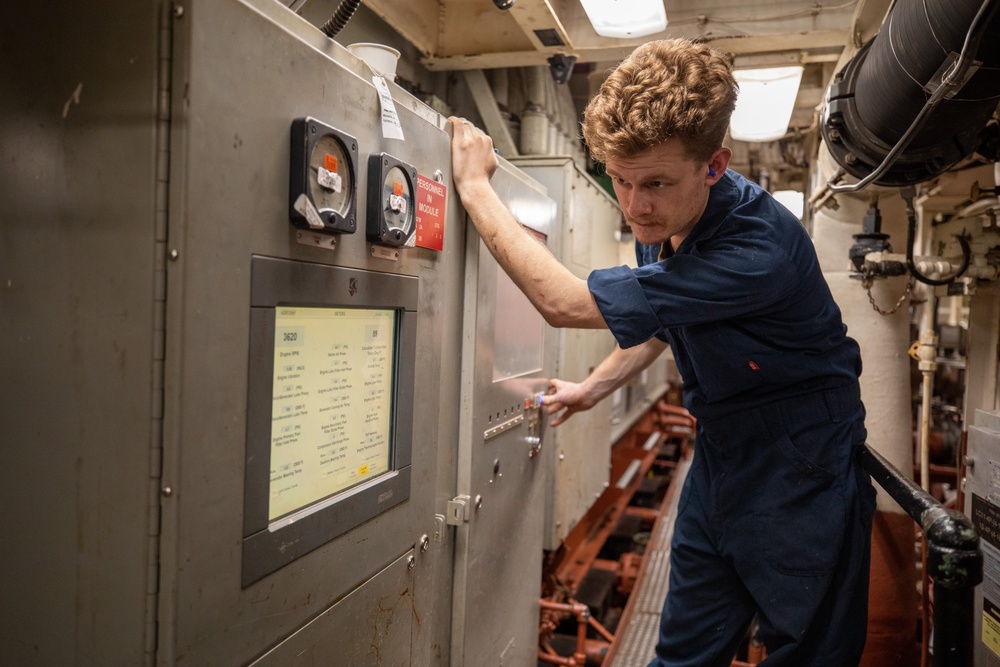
(626, 18)
(765, 104)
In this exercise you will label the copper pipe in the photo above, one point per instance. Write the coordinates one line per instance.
(554, 659)
(601, 630)
(583, 618)
(597, 651)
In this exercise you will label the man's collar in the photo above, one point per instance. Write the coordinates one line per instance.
(722, 197)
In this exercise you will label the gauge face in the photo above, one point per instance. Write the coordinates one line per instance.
(330, 176)
(323, 188)
(397, 202)
(391, 206)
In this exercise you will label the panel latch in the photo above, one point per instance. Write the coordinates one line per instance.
(458, 510)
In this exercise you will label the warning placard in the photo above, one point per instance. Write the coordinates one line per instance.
(991, 626)
(431, 198)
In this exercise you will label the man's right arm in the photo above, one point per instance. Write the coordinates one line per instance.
(618, 368)
(562, 298)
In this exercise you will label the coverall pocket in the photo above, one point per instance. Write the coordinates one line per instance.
(801, 523)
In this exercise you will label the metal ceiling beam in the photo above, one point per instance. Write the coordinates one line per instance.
(868, 18)
(486, 104)
(824, 39)
(541, 25)
(417, 21)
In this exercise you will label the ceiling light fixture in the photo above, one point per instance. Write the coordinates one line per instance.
(764, 106)
(626, 18)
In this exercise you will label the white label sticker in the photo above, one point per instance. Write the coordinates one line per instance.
(304, 206)
(391, 127)
(397, 203)
(330, 180)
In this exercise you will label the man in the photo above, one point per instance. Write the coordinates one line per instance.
(774, 518)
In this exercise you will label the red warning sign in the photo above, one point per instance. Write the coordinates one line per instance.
(431, 197)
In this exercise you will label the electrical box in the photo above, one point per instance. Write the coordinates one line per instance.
(982, 506)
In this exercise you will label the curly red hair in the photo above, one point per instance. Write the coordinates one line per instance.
(665, 89)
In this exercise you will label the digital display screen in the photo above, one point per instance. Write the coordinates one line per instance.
(332, 402)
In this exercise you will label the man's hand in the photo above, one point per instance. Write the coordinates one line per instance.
(571, 397)
(472, 156)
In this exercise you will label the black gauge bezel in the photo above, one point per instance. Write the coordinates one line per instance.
(378, 230)
(306, 133)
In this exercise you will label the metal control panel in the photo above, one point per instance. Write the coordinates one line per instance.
(580, 453)
(507, 358)
(297, 308)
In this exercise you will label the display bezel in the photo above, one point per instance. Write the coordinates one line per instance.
(269, 545)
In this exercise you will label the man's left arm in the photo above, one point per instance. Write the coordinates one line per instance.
(563, 299)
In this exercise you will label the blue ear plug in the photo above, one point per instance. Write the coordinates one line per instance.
(711, 172)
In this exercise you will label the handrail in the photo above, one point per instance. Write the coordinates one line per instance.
(954, 560)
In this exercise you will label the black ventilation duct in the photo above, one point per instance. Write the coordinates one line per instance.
(921, 92)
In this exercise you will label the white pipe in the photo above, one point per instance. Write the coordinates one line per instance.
(534, 120)
(884, 340)
(500, 83)
(535, 80)
(534, 131)
(927, 355)
(941, 266)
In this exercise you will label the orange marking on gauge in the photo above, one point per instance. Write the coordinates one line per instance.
(330, 162)
(397, 188)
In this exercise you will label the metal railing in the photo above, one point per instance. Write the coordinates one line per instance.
(954, 560)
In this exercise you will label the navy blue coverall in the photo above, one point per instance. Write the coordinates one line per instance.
(775, 517)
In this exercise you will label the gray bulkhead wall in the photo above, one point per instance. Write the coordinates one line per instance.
(82, 226)
(103, 368)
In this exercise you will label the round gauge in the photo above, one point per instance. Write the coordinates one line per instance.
(397, 203)
(330, 176)
(392, 212)
(322, 188)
